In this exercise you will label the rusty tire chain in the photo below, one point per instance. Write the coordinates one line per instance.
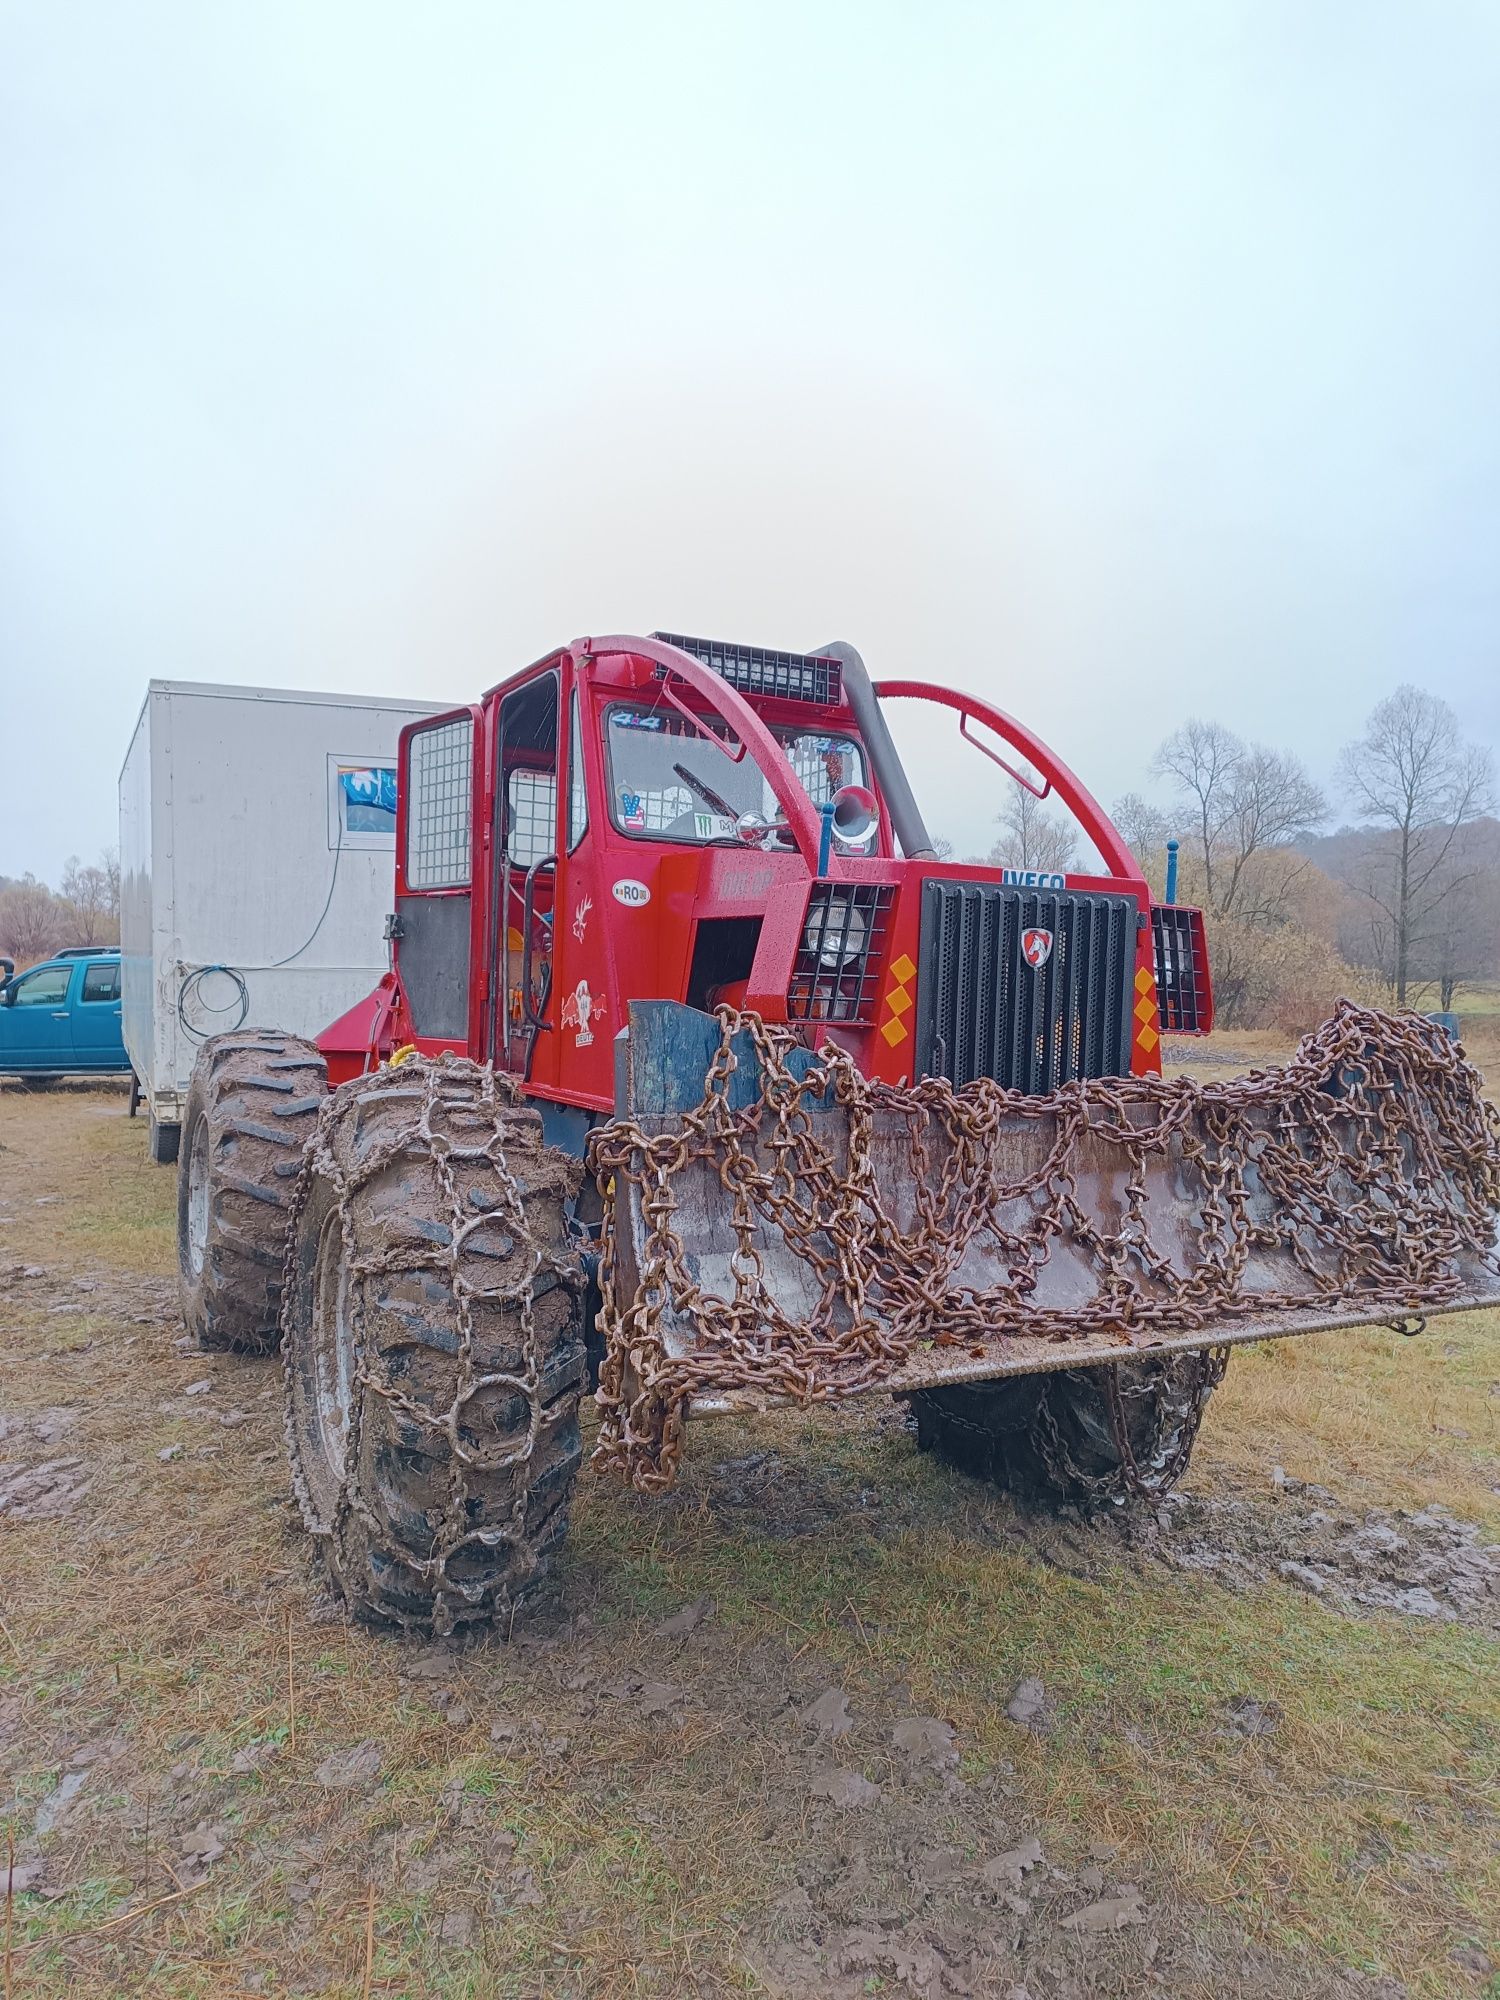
(1183, 1390)
(493, 1099)
(1333, 1114)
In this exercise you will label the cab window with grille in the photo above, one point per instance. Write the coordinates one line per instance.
(533, 815)
(439, 832)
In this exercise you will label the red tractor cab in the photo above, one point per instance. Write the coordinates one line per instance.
(675, 818)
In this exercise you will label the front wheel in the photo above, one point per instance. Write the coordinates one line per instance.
(432, 1345)
(1084, 1436)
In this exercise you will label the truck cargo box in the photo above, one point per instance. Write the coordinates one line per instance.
(257, 836)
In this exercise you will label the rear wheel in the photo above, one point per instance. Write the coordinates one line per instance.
(251, 1107)
(433, 1345)
(1080, 1435)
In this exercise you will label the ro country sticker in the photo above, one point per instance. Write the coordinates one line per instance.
(634, 895)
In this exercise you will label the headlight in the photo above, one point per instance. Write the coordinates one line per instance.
(836, 933)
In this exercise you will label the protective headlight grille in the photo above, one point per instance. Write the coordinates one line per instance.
(842, 949)
(761, 670)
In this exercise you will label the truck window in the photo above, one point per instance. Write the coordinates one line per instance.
(528, 756)
(46, 987)
(670, 782)
(101, 982)
(578, 796)
(532, 820)
(439, 828)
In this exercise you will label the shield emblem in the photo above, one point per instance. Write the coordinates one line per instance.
(1036, 948)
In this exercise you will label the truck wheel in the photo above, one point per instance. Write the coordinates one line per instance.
(162, 1141)
(135, 1094)
(433, 1345)
(251, 1108)
(1080, 1435)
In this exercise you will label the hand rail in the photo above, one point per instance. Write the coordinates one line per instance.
(1076, 796)
(533, 1019)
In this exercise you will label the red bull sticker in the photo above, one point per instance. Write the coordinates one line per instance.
(578, 1010)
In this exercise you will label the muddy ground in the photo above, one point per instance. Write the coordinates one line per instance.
(827, 1720)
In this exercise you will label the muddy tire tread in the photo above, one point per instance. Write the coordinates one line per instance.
(234, 1303)
(376, 1522)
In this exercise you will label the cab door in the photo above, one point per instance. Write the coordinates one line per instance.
(35, 1022)
(97, 1041)
(521, 1009)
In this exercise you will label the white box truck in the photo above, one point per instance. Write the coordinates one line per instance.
(257, 856)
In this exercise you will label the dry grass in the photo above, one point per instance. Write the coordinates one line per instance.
(170, 1611)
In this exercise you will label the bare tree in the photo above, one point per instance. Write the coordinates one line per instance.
(1201, 758)
(1246, 801)
(1146, 828)
(1033, 836)
(32, 920)
(1462, 941)
(1414, 776)
(92, 901)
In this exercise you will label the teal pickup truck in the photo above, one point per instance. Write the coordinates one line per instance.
(62, 1018)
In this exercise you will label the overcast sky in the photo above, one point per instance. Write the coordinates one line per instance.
(1116, 362)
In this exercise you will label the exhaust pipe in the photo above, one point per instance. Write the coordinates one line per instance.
(906, 817)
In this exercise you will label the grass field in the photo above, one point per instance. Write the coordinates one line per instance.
(1246, 1780)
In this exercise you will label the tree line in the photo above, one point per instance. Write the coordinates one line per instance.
(1402, 903)
(84, 909)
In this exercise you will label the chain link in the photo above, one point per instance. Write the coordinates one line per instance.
(1373, 1153)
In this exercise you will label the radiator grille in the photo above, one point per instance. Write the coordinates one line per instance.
(984, 1010)
(1182, 990)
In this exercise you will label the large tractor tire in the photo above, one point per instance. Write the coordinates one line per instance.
(1080, 1436)
(433, 1345)
(252, 1106)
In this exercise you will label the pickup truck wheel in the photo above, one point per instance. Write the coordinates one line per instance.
(1085, 1436)
(433, 1345)
(251, 1107)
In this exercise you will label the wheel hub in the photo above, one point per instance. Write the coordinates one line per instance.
(332, 1346)
(198, 1196)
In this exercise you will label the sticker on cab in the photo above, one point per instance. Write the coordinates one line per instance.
(634, 895)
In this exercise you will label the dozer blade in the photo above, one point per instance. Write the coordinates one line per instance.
(778, 1227)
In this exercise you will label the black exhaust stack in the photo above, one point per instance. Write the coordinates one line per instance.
(906, 817)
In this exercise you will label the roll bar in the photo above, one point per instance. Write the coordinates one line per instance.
(1084, 807)
(733, 707)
